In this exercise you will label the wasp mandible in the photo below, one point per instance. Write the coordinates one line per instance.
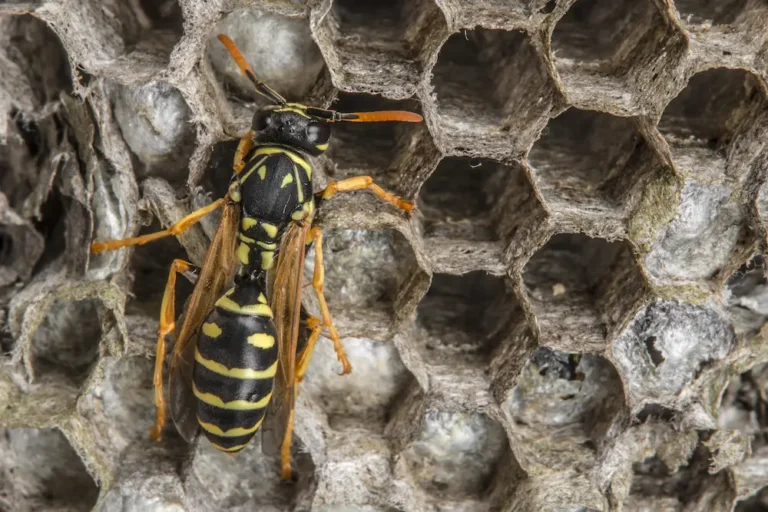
(237, 360)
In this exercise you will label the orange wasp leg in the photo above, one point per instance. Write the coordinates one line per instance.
(315, 325)
(167, 324)
(285, 449)
(175, 230)
(243, 147)
(318, 280)
(361, 182)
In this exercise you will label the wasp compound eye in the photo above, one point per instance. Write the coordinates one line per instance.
(261, 119)
(318, 133)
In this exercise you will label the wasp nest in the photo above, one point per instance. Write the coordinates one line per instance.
(573, 319)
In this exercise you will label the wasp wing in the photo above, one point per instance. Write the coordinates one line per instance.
(216, 275)
(286, 306)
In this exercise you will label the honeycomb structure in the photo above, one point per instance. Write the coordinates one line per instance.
(573, 319)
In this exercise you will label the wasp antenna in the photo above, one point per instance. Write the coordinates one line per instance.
(379, 117)
(260, 86)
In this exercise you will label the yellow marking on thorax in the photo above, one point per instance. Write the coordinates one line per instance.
(234, 192)
(267, 260)
(235, 373)
(269, 229)
(262, 172)
(243, 253)
(234, 405)
(249, 309)
(249, 222)
(261, 340)
(252, 168)
(287, 180)
(306, 210)
(321, 147)
(211, 330)
(294, 110)
(299, 189)
(233, 432)
(297, 159)
(229, 451)
(262, 298)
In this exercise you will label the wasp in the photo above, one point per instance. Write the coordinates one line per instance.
(245, 341)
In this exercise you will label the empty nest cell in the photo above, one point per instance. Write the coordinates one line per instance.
(710, 125)
(367, 37)
(744, 406)
(455, 454)
(464, 317)
(725, 21)
(572, 284)
(381, 150)
(294, 66)
(39, 470)
(601, 46)
(589, 163)
(490, 84)
(364, 273)
(746, 293)
(561, 408)
(475, 200)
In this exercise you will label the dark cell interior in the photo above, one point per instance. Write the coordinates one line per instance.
(577, 262)
(387, 22)
(710, 106)
(67, 342)
(370, 148)
(598, 30)
(756, 503)
(461, 196)
(487, 75)
(466, 312)
(163, 14)
(586, 156)
(718, 12)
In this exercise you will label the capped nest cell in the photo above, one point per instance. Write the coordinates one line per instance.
(573, 317)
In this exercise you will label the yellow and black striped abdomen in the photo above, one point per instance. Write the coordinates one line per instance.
(235, 366)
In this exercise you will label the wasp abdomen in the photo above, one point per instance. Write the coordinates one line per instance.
(235, 366)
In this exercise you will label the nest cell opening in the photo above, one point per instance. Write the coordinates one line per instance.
(67, 342)
(163, 15)
(462, 199)
(566, 282)
(364, 273)
(590, 160)
(464, 317)
(747, 296)
(380, 150)
(45, 472)
(743, 406)
(490, 78)
(562, 401)
(603, 32)
(709, 117)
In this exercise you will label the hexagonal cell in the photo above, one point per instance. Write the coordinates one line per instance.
(463, 318)
(363, 38)
(746, 294)
(665, 348)
(365, 272)
(39, 470)
(710, 125)
(744, 408)
(470, 206)
(492, 91)
(386, 151)
(581, 289)
(294, 66)
(591, 164)
(67, 342)
(604, 46)
(561, 408)
(155, 122)
(729, 25)
(454, 455)
(656, 487)
(365, 395)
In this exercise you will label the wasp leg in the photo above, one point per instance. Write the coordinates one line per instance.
(243, 147)
(167, 324)
(175, 230)
(318, 279)
(285, 449)
(361, 182)
(315, 325)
